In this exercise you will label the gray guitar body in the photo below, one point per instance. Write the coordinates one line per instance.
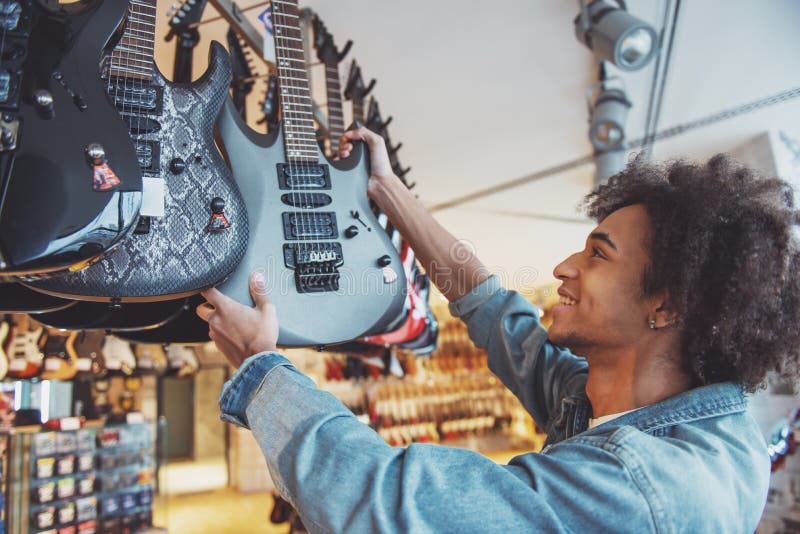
(178, 255)
(369, 296)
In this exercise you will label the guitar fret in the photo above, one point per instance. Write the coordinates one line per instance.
(296, 102)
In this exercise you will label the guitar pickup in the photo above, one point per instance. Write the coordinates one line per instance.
(300, 225)
(129, 97)
(303, 176)
(308, 201)
(139, 125)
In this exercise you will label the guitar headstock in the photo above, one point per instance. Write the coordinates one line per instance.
(185, 17)
(356, 91)
(326, 48)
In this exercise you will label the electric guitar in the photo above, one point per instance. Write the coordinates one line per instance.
(118, 356)
(202, 233)
(150, 359)
(270, 105)
(183, 362)
(60, 362)
(5, 330)
(183, 23)
(356, 91)
(185, 329)
(101, 316)
(24, 350)
(16, 298)
(330, 269)
(70, 184)
(242, 81)
(88, 352)
(330, 56)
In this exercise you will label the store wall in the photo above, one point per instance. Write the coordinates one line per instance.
(209, 430)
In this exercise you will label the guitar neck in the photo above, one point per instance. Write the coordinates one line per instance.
(335, 113)
(299, 132)
(133, 56)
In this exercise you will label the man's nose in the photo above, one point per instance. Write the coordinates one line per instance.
(566, 269)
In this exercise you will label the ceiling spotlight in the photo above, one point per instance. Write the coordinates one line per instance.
(608, 114)
(615, 35)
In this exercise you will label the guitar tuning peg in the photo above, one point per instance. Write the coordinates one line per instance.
(169, 13)
(176, 20)
(191, 2)
(181, 14)
(175, 6)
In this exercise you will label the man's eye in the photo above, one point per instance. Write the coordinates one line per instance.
(596, 253)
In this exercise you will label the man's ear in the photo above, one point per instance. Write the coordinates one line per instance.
(663, 313)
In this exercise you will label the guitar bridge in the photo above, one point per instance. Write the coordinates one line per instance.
(316, 265)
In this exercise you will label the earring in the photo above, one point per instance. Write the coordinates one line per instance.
(652, 324)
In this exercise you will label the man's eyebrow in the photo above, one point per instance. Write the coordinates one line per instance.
(602, 236)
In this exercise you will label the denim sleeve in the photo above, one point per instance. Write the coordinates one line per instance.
(342, 477)
(504, 323)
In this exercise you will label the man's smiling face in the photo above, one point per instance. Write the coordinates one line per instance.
(602, 305)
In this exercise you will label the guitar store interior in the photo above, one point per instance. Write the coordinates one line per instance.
(154, 456)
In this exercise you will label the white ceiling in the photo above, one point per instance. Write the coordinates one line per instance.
(486, 92)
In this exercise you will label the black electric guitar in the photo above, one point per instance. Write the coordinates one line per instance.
(16, 298)
(184, 329)
(330, 269)
(70, 184)
(86, 315)
(270, 106)
(356, 91)
(242, 81)
(202, 233)
(330, 56)
(183, 24)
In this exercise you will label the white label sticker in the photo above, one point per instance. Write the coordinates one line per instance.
(52, 364)
(17, 364)
(154, 193)
(83, 364)
(70, 423)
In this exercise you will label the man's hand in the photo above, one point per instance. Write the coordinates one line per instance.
(380, 167)
(240, 331)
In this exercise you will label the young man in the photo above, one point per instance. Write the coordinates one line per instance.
(683, 298)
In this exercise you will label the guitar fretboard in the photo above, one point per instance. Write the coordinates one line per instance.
(299, 133)
(335, 113)
(133, 56)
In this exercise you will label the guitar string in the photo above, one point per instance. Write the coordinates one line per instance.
(287, 64)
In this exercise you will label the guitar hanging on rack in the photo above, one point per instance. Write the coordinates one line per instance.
(242, 81)
(16, 298)
(201, 234)
(70, 185)
(25, 358)
(329, 268)
(183, 24)
(270, 105)
(60, 362)
(357, 92)
(331, 57)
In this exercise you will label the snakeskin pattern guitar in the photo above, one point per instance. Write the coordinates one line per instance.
(203, 233)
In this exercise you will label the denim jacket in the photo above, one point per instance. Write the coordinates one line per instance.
(695, 462)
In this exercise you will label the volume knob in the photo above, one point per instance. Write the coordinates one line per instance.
(177, 166)
(384, 260)
(351, 231)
